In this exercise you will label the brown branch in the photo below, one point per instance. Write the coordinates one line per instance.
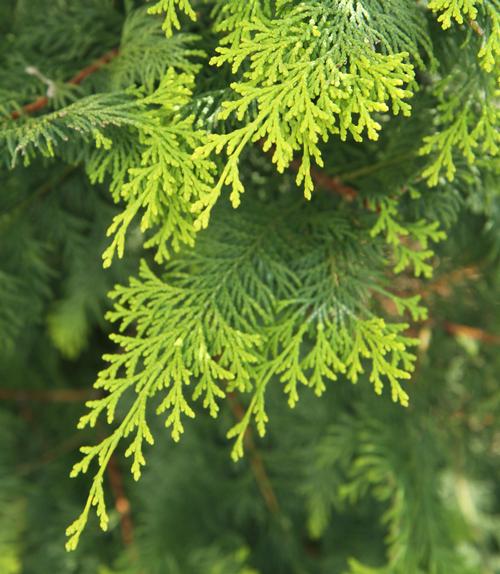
(39, 193)
(52, 454)
(476, 27)
(453, 329)
(76, 80)
(116, 480)
(444, 285)
(321, 179)
(475, 333)
(328, 183)
(49, 396)
(255, 459)
(94, 67)
(122, 503)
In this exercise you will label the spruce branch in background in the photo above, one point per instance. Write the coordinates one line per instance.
(278, 181)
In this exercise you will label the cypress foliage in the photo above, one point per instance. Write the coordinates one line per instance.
(277, 223)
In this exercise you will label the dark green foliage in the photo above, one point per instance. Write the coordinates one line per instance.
(276, 205)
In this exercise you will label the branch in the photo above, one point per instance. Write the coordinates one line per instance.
(76, 80)
(329, 183)
(475, 333)
(321, 179)
(256, 462)
(39, 193)
(68, 445)
(444, 285)
(49, 396)
(122, 503)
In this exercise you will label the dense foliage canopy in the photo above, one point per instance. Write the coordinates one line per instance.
(294, 208)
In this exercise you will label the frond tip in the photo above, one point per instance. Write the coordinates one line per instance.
(171, 9)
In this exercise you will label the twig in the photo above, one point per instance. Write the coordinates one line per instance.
(475, 333)
(76, 80)
(320, 178)
(122, 503)
(49, 396)
(255, 459)
(444, 285)
(453, 329)
(52, 454)
(333, 184)
(374, 167)
(39, 193)
(476, 27)
(262, 479)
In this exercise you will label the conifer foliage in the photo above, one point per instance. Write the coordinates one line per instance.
(262, 204)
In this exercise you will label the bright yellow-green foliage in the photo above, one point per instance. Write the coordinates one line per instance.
(397, 234)
(468, 11)
(490, 49)
(468, 118)
(465, 124)
(171, 9)
(454, 9)
(256, 300)
(275, 99)
(166, 180)
(312, 72)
